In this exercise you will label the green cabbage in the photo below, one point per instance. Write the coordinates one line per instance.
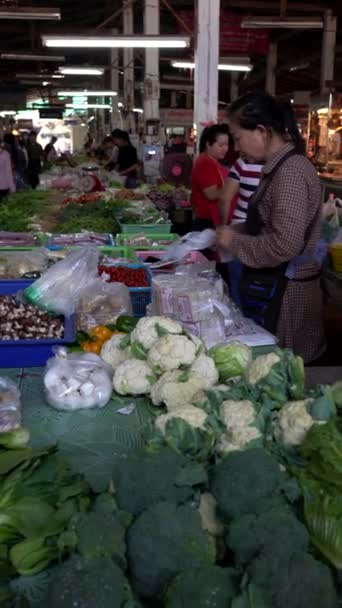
(231, 359)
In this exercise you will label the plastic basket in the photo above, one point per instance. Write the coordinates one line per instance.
(127, 253)
(40, 237)
(145, 228)
(57, 247)
(121, 239)
(336, 256)
(30, 353)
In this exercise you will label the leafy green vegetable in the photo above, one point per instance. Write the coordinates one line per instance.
(19, 438)
(32, 556)
(189, 440)
(278, 376)
(322, 451)
(164, 469)
(231, 359)
(209, 586)
(164, 541)
(323, 517)
(323, 407)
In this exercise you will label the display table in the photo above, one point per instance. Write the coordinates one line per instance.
(89, 439)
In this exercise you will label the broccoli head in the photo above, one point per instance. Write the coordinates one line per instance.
(295, 580)
(103, 535)
(164, 541)
(149, 475)
(250, 481)
(250, 534)
(88, 584)
(202, 587)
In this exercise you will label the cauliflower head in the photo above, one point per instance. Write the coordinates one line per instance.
(146, 330)
(205, 367)
(239, 440)
(173, 392)
(239, 418)
(133, 377)
(261, 367)
(170, 352)
(111, 352)
(191, 414)
(293, 423)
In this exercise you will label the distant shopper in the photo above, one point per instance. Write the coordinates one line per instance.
(7, 183)
(35, 156)
(128, 163)
(243, 181)
(18, 159)
(50, 153)
(208, 177)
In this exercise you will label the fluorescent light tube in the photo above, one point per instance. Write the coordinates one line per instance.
(138, 110)
(82, 71)
(229, 67)
(87, 93)
(8, 113)
(88, 106)
(29, 12)
(300, 23)
(105, 42)
(234, 67)
(31, 57)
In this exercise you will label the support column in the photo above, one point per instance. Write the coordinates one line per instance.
(271, 67)
(173, 99)
(206, 64)
(188, 102)
(328, 50)
(114, 84)
(128, 62)
(234, 86)
(151, 85)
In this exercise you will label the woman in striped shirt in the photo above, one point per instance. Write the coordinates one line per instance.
(243, 181)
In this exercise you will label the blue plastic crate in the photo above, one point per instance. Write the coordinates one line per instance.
(30, 353)
(140, 296)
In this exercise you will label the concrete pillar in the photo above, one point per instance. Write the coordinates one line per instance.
(151, 84)
(206, 63)
(128, 62)
(271, 69)
(114, 84)
(328, 50)
(234, 86)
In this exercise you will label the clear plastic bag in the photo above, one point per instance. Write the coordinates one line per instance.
(10, 406)
(193, 241)
(77, 381)
(60, 287)
(21, 264)
(101, 303)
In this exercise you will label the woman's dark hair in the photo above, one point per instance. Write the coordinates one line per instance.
(210, 135)
(255, 109)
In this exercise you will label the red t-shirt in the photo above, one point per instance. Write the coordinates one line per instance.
(206, 172)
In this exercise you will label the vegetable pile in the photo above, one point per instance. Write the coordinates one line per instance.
(233, 501)
(19, 321)
(131, 277)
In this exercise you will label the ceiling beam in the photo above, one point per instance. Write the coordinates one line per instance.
(274, 5)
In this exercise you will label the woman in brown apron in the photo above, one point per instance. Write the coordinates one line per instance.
(279, 244)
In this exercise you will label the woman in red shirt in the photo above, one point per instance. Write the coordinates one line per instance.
(208, 177)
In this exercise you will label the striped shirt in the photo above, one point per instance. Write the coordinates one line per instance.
(248, 175)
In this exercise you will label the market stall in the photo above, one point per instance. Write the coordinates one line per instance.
(148, 366)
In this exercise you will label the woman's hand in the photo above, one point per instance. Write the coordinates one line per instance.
(224, 236)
